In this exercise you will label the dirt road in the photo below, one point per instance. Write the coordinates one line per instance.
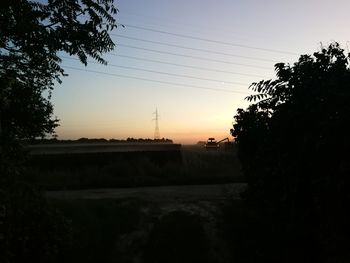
(159, 193)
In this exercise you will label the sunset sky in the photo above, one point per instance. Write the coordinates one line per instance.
(193, 61)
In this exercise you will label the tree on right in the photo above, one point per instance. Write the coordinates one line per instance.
(293, 144)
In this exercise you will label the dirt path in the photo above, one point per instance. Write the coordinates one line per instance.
(160, 193)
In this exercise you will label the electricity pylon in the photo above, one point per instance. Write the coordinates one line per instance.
(156, 130)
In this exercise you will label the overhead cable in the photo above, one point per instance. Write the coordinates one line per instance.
(195, 49)
(190, 56)
(210, 40)
(166, 73)
(188, 66)
(157, 81)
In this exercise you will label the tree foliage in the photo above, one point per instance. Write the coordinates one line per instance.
(31, 36)
(293, 144)
(31, 228)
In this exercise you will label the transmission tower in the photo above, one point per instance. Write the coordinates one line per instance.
(156, 130)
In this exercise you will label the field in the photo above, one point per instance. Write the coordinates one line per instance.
(135, 230)
(143, 203)
(110, 165)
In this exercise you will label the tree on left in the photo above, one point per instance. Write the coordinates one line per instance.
(32, 35)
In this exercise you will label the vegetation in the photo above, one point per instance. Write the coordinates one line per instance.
(30, 227)
(292, 143)
(32, 34)
(149, 140)
(191, 165)
(97, 140)
(177, 237)
(98, 226)
(135, 230)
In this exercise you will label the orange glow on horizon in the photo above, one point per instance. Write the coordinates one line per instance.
(182, 138)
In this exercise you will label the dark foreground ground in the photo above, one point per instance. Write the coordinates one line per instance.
(181, 205)
(166, 194)
(137, 209)
(152, 224)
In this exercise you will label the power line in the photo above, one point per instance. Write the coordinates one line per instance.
(194, 57)
(167, 73)
(210, 40)
(194, 27)
(191, 48)
(187, 66)
(179, 75)
(157, 81)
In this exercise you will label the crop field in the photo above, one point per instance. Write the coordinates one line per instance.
(83, 166)
(136, 203)
(91, 147)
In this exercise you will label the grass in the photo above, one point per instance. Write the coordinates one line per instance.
(97, 225)
(138, 231)
(177, 237)
(195, 166)
(132, 230)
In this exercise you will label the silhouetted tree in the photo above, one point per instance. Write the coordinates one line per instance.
(293, 143)
(32, 33)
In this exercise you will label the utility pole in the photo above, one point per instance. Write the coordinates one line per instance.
(156, 130)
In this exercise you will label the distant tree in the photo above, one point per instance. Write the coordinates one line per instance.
(31, 35)
(293, 143)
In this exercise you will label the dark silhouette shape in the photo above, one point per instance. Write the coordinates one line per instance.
(294, 148)
(212, 144)
(177, 237)
(32, 34)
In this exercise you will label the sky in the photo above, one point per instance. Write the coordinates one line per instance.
(193, 61)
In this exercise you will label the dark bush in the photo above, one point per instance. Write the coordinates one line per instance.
(177, 237)
(31, 229)
(293, 145)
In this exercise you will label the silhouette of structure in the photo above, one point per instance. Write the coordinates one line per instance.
(156, 130)
(213, 144)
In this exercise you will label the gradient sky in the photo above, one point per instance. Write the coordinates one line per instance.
(201, 105)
